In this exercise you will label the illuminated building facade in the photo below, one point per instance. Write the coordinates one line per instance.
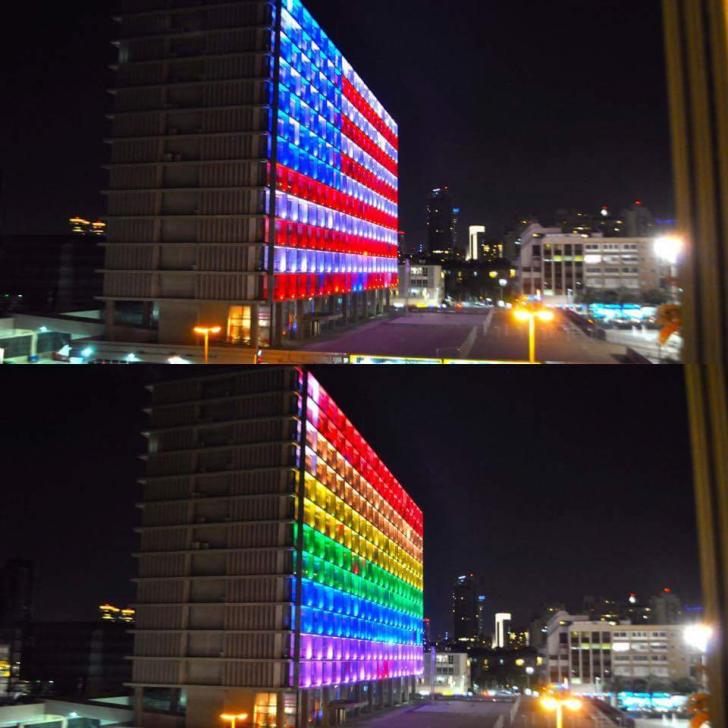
(254, 177)
(476, 241)
(281, 562)
(502, 630)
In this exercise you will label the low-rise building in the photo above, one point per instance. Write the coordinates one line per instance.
(564, 269)
(596, 656)
(451, 674)
(420, 286)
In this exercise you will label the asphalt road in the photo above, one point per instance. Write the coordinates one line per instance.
(558, 342)
(445, 714)
(421, 335)
(487, 336)
(472, 714)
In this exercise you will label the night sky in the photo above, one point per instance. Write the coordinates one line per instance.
(550, 484)
(520, 106)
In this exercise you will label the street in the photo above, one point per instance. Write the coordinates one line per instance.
(488, 336)
(473, 714)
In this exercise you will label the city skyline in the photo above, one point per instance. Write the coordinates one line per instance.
(483, 142)
(525, 532)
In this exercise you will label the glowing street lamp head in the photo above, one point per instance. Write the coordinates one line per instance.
(698, 636)
(669, 248)
(549, 703)
(546, 315)
(202, 330)
(573, 704)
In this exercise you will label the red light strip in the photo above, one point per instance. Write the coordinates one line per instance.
(356, 135)
(368, 112)
(370, 466)
(301, 286)
(361, 174)
(310, 237)
(312, 190)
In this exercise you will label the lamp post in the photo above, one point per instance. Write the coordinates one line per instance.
(206, 331)
(555, 704)
(529, 672)
(503, 283)
(668, 249)
(698, 636)
(530, 315)
(233, 718)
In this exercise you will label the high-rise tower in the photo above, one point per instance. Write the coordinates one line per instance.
(280, 567)
(253, 179)
(441, 224)
(466, 623)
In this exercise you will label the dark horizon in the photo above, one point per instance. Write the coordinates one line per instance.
(550, 485)
(514, 105)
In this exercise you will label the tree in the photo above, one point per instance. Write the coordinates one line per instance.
(656, 297)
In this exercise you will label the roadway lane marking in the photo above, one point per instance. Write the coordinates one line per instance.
(515, 708)
(488, 321)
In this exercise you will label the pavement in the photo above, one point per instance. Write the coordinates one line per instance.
(645, 342)
(488, 336)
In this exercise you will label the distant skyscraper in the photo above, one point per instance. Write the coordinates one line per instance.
(502, 629)
(666, 608)
(253, 180)
(638, 220)
(441, 223)
(482, 616)
(465, 608)
(476, 241)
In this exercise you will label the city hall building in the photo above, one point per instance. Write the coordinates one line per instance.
(280, 564)
(253, 179)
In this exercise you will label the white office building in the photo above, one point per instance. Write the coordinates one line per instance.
(559, 267)
(451, 674)
(420, 286)
(590, 657)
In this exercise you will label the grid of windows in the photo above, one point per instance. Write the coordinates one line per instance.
(361, 558)
(336, 170)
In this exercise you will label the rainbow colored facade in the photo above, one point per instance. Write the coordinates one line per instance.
(333, 172)
(359, 558)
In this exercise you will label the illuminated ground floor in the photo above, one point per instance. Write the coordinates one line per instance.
(246, 324)
(203, 706)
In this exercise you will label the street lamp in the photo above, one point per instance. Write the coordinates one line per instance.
(529, 672)
(554, 704)
(503, 283)
(233, 718)
(206, 331)
(530, 315)
(698, 636)
(669, 248)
